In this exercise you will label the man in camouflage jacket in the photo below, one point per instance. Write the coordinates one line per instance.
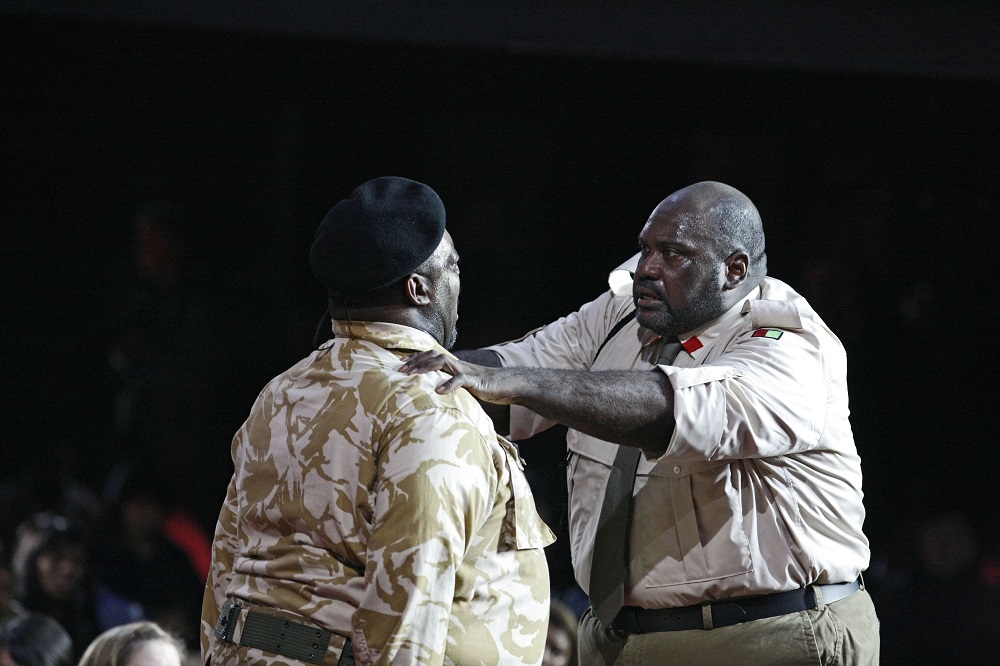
(370, 519)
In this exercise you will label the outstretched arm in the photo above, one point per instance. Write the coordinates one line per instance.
(630, 407)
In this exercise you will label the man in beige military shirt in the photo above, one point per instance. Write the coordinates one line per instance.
(736, 537)
(371, 520)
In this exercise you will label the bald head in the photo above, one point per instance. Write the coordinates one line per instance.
(726, 217)
(702, 250)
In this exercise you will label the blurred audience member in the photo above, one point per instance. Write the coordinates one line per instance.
(135, 644)
(9, 606)
(138, 561)
(560, 642)
(34, 640)
(944, 612)
(57, 581)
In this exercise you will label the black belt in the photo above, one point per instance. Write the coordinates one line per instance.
(727, 612)
(279, 635)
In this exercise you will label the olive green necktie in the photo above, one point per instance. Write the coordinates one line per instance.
(609, 563)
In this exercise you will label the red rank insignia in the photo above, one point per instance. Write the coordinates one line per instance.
(772, 333)
(691, 345)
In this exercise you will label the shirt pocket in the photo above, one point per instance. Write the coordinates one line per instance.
(530, 531)
(691, 525)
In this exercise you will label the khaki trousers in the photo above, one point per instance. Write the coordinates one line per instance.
(845, 632)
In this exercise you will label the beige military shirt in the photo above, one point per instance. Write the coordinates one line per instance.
(759, 489)
(367, 504)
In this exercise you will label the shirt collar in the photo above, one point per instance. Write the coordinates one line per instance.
(388, 336)
(694, 342)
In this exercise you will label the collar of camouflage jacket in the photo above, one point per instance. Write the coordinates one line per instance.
(395, 337)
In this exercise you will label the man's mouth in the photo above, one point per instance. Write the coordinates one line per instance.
(646, 298)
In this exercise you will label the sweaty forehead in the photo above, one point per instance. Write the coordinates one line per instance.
(676, 224)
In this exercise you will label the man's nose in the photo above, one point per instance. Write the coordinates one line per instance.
(647, 269)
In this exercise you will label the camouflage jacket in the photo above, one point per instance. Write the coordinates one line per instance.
(365, 503)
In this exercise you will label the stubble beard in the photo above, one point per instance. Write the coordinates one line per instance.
(672, 323)
(452, 337)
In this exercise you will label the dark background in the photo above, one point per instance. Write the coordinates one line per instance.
(868, 140)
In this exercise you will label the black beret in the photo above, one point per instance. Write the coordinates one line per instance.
(385, 230)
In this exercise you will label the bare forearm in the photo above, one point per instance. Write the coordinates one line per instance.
(634, 408)
(630, 407)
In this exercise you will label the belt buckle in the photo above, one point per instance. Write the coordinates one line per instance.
(226, 625)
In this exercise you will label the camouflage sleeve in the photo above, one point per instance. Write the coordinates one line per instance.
(223, 555)
(436, 482)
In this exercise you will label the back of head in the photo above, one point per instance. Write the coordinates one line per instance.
(116, 646)
(387, 228)
(369, 243)
(36, 640)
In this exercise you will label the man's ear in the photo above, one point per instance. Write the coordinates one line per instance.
(737, 269)
(418, 289)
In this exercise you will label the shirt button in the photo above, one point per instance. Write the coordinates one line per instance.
(677, 469)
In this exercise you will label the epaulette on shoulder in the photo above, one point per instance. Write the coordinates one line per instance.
(773, 314)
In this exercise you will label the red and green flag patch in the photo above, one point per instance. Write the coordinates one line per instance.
(772, 333)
